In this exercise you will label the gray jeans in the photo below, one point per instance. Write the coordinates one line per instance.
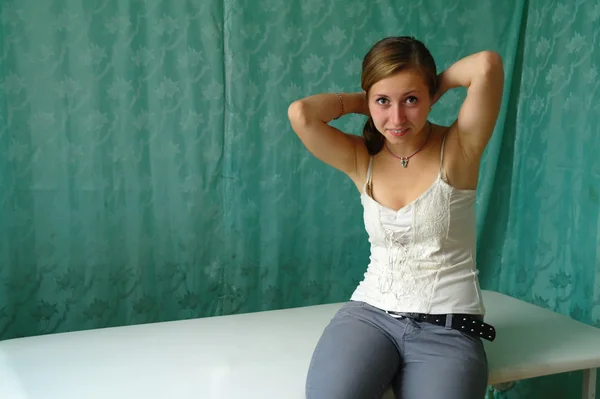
(364, 350)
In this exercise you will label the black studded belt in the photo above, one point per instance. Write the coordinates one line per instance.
(466, 323)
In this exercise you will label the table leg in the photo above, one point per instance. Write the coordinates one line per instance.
(589, 384)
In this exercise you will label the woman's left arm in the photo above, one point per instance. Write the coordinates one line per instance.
(483, 76)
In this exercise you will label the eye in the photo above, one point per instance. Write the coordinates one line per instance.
(382, 101)
(411, 100)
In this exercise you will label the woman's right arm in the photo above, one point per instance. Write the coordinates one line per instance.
(309, 118)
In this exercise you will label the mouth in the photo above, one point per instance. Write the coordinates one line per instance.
(398, 132)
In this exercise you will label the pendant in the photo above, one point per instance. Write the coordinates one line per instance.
(405, 162)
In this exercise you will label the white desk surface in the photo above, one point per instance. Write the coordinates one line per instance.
(256, 355)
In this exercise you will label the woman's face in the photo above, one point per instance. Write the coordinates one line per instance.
(399, 105)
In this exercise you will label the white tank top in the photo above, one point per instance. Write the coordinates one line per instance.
(422, 256)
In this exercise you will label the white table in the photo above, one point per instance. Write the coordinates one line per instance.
(534, 342)
(259, 355)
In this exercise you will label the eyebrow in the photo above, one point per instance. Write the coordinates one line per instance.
(405, 94)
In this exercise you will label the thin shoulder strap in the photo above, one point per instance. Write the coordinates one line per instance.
(369, 173)
(442, 170)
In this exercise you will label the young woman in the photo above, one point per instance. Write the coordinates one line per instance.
(416, 319)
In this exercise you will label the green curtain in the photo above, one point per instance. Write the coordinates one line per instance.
(148, 171)
(540, 234)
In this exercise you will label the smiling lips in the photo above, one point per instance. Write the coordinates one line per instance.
(398, 132)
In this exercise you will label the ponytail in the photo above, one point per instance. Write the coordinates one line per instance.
(372, 137)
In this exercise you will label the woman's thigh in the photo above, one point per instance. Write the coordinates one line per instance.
(441, 363)
(353, 358)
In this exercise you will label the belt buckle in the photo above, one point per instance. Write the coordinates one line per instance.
(395, 315)
(418, 317)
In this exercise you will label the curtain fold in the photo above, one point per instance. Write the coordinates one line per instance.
(112, 156)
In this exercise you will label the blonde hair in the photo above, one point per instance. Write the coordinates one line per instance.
(386, 58)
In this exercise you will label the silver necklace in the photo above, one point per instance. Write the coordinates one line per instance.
(404, 160)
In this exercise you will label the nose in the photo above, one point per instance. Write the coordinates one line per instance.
(398, 116)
